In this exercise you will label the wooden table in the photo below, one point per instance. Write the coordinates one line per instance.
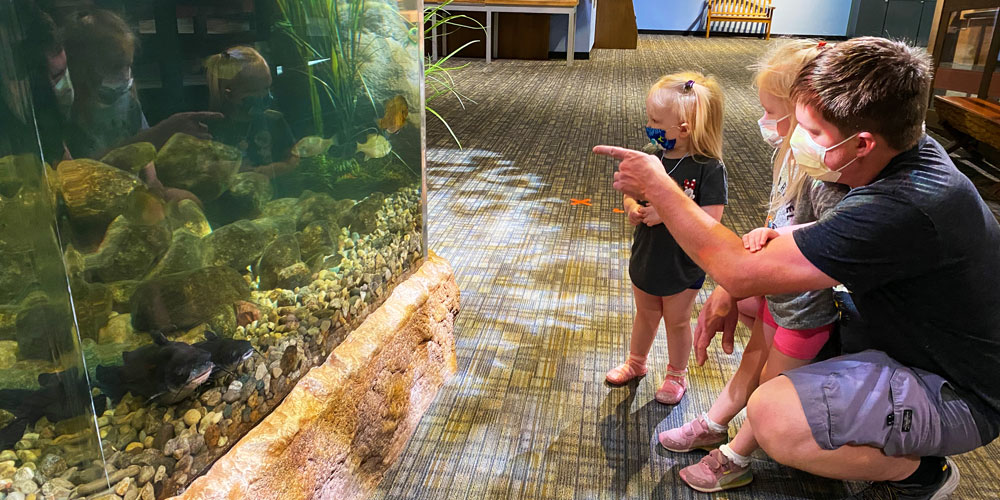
(494, 7)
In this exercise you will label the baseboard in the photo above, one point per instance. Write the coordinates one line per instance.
(701, 33)
(576, 55)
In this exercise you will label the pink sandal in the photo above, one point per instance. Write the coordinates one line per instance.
(634, 368)
(673, 388)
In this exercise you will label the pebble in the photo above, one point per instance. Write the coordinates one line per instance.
(223, 440)
(233, 393)
(161, 472)
(134, 448)
(146, 474)
(131, 494)
(16, 495)
(6, 484)
(212, 435)
(191, 417)
(122, 487)
(28, 455)
(24, 474)
(260, 372)
(52, 465)
(184, 464)
(52, 490)
(61, 483)
(148, 442)
(212, 397)
(147, 492)
(166, 433)
(27, 487)
(276, 371)
(7, 455)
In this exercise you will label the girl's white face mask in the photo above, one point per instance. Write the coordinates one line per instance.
(769, 130)
(811, 157)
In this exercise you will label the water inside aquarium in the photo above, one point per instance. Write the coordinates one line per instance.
(199, 200)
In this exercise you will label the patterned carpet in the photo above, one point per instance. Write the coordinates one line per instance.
(546, 306)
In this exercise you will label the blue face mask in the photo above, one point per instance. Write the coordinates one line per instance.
(659, 138)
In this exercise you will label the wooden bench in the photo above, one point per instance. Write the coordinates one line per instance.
(742, 11)
(494, 7)
(969, 120)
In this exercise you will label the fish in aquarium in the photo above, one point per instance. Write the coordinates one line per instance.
(226, 353)
(52, 401)
(165, 372)
(396, 112)
(311, 146)
(376, 146)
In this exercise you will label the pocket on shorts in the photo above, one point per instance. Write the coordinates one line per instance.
(924, 422)
(857, 410)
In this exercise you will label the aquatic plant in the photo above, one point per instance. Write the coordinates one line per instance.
(327, 34)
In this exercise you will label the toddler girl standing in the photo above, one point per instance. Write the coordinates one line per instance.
(684, 122)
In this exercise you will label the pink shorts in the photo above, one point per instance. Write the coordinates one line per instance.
(799, 344)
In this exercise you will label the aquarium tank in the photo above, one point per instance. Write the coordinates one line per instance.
(199, 201)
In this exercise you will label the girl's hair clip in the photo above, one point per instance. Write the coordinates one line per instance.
(688, 85)
(820, 45)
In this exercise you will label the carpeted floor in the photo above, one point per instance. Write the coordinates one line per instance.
(546, 306)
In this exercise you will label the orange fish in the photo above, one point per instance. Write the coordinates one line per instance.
(396, 112)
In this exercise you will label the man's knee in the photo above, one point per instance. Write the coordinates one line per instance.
(778, 421)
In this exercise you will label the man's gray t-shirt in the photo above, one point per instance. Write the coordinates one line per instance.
(813, 309)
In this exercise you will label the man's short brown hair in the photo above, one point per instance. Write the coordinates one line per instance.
(869, 84)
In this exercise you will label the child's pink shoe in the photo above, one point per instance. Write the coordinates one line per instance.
(673, 388)
(634, 368)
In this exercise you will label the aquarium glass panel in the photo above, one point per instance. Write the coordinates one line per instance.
(48, 426)
(231, 187)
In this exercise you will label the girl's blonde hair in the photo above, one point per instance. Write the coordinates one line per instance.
(775, 74)
(698, 99)
(234, 63)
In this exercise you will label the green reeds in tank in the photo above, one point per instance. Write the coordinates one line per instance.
(48, 430)
(229, 211)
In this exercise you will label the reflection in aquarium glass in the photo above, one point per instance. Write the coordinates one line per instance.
(964, 51)
(199, 203)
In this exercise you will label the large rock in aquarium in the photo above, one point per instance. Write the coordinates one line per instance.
(8, 321)
(241, 243)
(93, 303)
(119, 330)
(185, 214)
(121, 294)
(205, 168)
(316, 237)
(128, 251)
(183, 300)
(282, 207)
(392, 68)
(363, 217)
(185, 254)
(94, 193)
(132, 157)
(244, 200)
(315, 207)
(17, 273)
(44, 331)
(382, 18)
(280, 254)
